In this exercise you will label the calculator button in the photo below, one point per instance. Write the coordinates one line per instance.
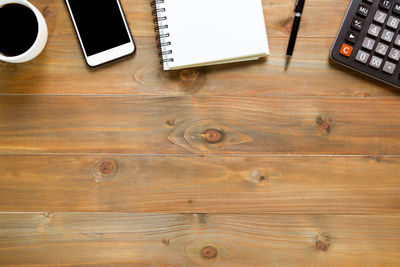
(369, 1)
(385, 4)
(389, 67)
(368, 43)
(397, 41)
(381, 49)
(351, 37)
(374, 30)
(380, 17)
(363, 10)
(394, 54)
(376, 62)
(387, 36)
(393, 22)
(346, 50)
(357, 24)
(362, 56)
(396, 9)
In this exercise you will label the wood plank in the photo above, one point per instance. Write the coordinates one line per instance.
(278, 14)
(185, 125)
(61, 70)
(120, 239)
(301, 185)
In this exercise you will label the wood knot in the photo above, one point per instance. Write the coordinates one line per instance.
(48, 12)
(213, 136)
(192, 80)
(287, 24)
(165, 241)
(201, 218)
(321, 245)
(376, 158)
(48, 215)
(365, 94)
(105, 168)
(170, 122)
(262, 176)
(209, 252)
(325, 125)
(188, 81)
(189, 75)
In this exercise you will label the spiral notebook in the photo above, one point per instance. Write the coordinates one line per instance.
(195, 33)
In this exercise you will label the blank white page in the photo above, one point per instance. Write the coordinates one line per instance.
(206, 32)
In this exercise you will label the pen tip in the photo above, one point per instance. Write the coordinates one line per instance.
(287, 62)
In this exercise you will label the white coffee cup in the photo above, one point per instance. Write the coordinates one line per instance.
(41, 38)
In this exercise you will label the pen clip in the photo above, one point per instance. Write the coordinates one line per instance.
(295, 4)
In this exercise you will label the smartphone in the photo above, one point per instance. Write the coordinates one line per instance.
(102, 30)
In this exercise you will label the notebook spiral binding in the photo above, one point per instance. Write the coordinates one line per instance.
(161, 26)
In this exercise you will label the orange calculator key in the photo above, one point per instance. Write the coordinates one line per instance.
(346, 50)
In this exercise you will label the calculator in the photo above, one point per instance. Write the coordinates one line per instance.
(369, 40)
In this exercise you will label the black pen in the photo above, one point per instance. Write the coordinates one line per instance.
(295, 29)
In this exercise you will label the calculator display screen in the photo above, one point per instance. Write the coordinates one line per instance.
(100, 24)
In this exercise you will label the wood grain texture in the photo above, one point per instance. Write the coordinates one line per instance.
(161, 125)
(255, 166)
(303, 185)
(119, 239)
(277, 13)
(61, 70)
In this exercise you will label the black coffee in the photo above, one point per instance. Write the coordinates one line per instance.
(18, 29)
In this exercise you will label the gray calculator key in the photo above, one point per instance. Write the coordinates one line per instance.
(362, 57)
(387, 36)
(385, 4)
(374, 30)
(363, 10)
(397, 41)
(396, 9)
(380, 17)
(393, 22)
(381, 49)
(394, 54)
(389, 67)
(376, 62)
(368, 43)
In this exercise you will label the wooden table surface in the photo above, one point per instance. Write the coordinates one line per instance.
(233, 165)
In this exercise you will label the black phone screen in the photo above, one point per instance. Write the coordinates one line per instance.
(100, 24)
